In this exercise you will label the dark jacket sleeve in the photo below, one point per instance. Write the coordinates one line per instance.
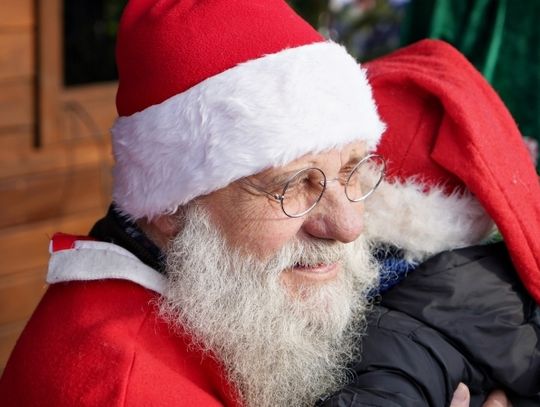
(461, 316)
(474, 298)
(407, 364)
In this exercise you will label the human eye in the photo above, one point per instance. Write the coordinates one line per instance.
(299, 181)
(307, 180)
(352, 164)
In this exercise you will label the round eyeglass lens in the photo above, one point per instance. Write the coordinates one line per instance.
(302, 192)
(365, 178)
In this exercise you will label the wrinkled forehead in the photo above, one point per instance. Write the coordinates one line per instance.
(329, 161)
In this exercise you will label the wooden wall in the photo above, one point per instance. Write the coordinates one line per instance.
(64, 185)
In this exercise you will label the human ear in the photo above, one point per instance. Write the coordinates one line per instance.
(162, 229)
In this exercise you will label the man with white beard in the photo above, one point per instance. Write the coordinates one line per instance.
(281, 345)
(231, 268)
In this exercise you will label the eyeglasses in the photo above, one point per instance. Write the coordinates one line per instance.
(304, 189)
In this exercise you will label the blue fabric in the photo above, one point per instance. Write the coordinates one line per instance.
(393, 268)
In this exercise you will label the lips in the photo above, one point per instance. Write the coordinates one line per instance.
(319, 271)
(310, 267)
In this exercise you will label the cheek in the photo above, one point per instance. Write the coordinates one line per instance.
(254, 225)
(266, 238)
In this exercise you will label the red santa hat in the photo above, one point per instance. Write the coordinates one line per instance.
(453, 152)
(213, 91)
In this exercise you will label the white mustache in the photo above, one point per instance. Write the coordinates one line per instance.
(308, 254)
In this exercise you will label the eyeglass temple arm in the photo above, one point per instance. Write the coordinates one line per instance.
(275, 197)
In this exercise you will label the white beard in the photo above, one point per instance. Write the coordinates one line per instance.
(278, 348)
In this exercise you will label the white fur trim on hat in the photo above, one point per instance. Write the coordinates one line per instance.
(423, 222)
(262, 113)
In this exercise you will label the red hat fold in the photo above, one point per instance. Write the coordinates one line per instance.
(447, 125)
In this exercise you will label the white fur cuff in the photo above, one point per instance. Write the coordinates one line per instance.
(262, 113)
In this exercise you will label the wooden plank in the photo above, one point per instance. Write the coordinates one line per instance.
(20, 293)
(8, 337)
(16, 13)
(26, 247)
(91, 107)
(102, 113)
(16, 107)
(12, 141)
(49, 41)
(19, 158)
(16, 54)
(56, 103)
(94, 92)
(49, 195)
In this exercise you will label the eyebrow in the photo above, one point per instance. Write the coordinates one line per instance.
(357, 156)
(280, 179)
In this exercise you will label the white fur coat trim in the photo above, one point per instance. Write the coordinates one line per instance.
(424, 221)
(89, 260)
(262, 113)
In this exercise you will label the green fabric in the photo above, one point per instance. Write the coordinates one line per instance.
(500, 37)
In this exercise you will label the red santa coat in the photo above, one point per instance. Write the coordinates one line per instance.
(95, 339)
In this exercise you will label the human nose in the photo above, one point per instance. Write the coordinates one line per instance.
(335, 217)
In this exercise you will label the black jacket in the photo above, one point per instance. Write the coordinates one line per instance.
(462, 316)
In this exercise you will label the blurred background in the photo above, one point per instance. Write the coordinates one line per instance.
(57, 90)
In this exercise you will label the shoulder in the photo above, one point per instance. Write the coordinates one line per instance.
(101, 343)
